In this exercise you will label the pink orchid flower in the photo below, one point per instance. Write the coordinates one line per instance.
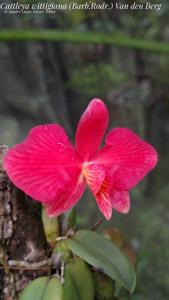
(48, 168)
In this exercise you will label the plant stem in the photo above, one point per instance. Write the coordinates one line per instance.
(117, 39)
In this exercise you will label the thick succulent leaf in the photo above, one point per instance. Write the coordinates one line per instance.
(43, 288)
(69, 288)
(80, 274)
(35, 290)
(53, 291)
(99, 252)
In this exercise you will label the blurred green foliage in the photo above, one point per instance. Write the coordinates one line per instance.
(96, 79)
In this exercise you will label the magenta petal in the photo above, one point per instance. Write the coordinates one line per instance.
(127, 157)
(99, 184)
(91, 129)
(103, 198)
(120, 201)
(94, 175)
(104, 203)
(67, 199)
(45, 164)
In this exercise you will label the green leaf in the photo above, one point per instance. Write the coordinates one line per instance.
(72, 218)
(80, 274)
(141, 264)
(99, 252)
(53, 290)
(35, 289)
(69, 289)
(50, 226)
(43, 288)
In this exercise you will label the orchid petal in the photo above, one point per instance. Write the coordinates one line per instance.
(103, 198)
(120, 201)
(127, 157)
(67, 199)
(91, 129)
(45, 164)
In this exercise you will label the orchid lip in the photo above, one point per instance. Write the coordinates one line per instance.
(84, 167)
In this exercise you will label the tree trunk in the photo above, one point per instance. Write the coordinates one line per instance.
(21, 236)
